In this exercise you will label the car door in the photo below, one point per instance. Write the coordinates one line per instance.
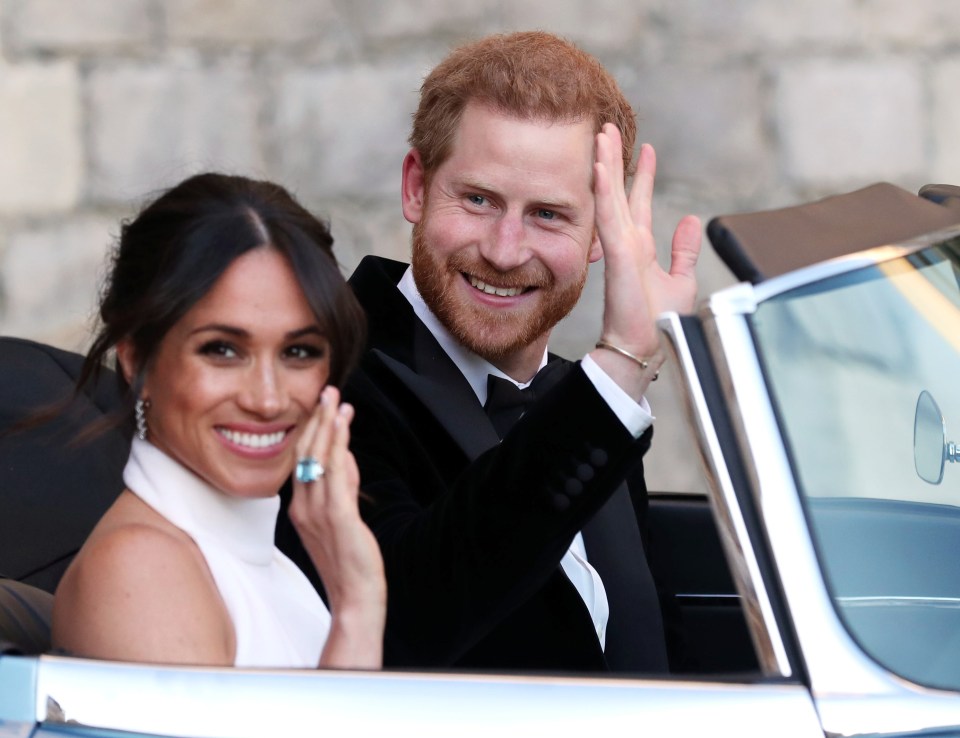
(804, 391)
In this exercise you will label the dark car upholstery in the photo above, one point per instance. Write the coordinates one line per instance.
(24, 618)
(53, 486)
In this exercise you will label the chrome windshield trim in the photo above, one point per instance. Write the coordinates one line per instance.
(834, 663)
(764, 631)
(736, 300)
(854, 695)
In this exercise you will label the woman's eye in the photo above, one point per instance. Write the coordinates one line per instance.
(304, 352)
(218, 349)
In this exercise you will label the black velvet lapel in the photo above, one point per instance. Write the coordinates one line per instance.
(457, 410)
(408, 350)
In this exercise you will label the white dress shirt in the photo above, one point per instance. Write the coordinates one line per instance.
(635, 417)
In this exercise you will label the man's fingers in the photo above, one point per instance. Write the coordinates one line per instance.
(641, 193)
(613, 216)
(610, 150)
(685, 248)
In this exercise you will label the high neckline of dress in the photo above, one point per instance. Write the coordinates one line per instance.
(244, 526)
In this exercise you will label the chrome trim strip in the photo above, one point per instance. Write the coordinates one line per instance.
(685, 596)
(764, 631)
(234, 703)
(944, 603)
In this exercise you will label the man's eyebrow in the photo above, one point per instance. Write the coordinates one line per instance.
(555, 205)
(473, 184)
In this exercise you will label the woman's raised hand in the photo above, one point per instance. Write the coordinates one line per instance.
(325, 514)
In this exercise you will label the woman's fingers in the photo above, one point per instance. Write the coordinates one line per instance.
(315, 441)
(339, 458)
(326, 438)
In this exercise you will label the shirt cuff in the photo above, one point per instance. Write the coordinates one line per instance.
(636, 417)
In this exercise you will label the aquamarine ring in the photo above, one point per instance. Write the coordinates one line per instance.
(308, 470)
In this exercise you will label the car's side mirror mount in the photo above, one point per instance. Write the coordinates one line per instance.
(931, 450)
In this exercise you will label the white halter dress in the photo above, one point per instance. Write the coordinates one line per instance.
(279, 619)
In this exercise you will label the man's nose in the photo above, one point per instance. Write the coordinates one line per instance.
(505, 246)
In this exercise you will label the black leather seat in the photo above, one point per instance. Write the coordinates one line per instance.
(24, 618)
(52, 489)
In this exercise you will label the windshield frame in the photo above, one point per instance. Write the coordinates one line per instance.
(834, 664)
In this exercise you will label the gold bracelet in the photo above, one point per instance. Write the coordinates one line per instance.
(644, 363)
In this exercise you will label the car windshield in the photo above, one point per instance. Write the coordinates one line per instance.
(847, 359)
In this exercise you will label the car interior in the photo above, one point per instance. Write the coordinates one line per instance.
(58, 477)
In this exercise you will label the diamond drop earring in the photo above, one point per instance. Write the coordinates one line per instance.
(139, 412)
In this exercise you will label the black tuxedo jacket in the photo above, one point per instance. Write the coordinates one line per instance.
(472, 530)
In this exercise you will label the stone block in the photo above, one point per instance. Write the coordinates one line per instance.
(49, 277)
(726, 27)
(378, 20)
(945, 167)
(68, 25)
(247, 21)
(597, 25)
(343, 131)
(151, 126)
(844, 122)
(920, 24)
(707, 124)
(41, 154)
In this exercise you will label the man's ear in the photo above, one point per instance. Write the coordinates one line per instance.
(413, 187)
(596, 250)
(126, 358)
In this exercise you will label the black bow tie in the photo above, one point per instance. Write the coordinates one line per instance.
(506, 402)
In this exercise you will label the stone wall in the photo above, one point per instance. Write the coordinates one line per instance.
(750, 103)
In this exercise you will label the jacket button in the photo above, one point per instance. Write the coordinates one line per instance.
(560, 502)
(585, 472)
(573, 487)
(598, 457)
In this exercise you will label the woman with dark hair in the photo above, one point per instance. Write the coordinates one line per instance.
(232, 327)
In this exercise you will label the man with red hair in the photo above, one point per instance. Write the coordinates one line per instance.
(514, 543)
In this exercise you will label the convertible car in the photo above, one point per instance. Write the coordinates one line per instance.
(817, 584)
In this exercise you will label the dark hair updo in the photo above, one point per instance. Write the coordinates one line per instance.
(175, 250)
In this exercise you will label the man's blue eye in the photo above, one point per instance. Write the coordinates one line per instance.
(546, 214)
(477, 199)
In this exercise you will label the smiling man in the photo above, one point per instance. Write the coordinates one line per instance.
(513, 543)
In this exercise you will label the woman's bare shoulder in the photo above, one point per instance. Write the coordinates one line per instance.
(139, 590)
